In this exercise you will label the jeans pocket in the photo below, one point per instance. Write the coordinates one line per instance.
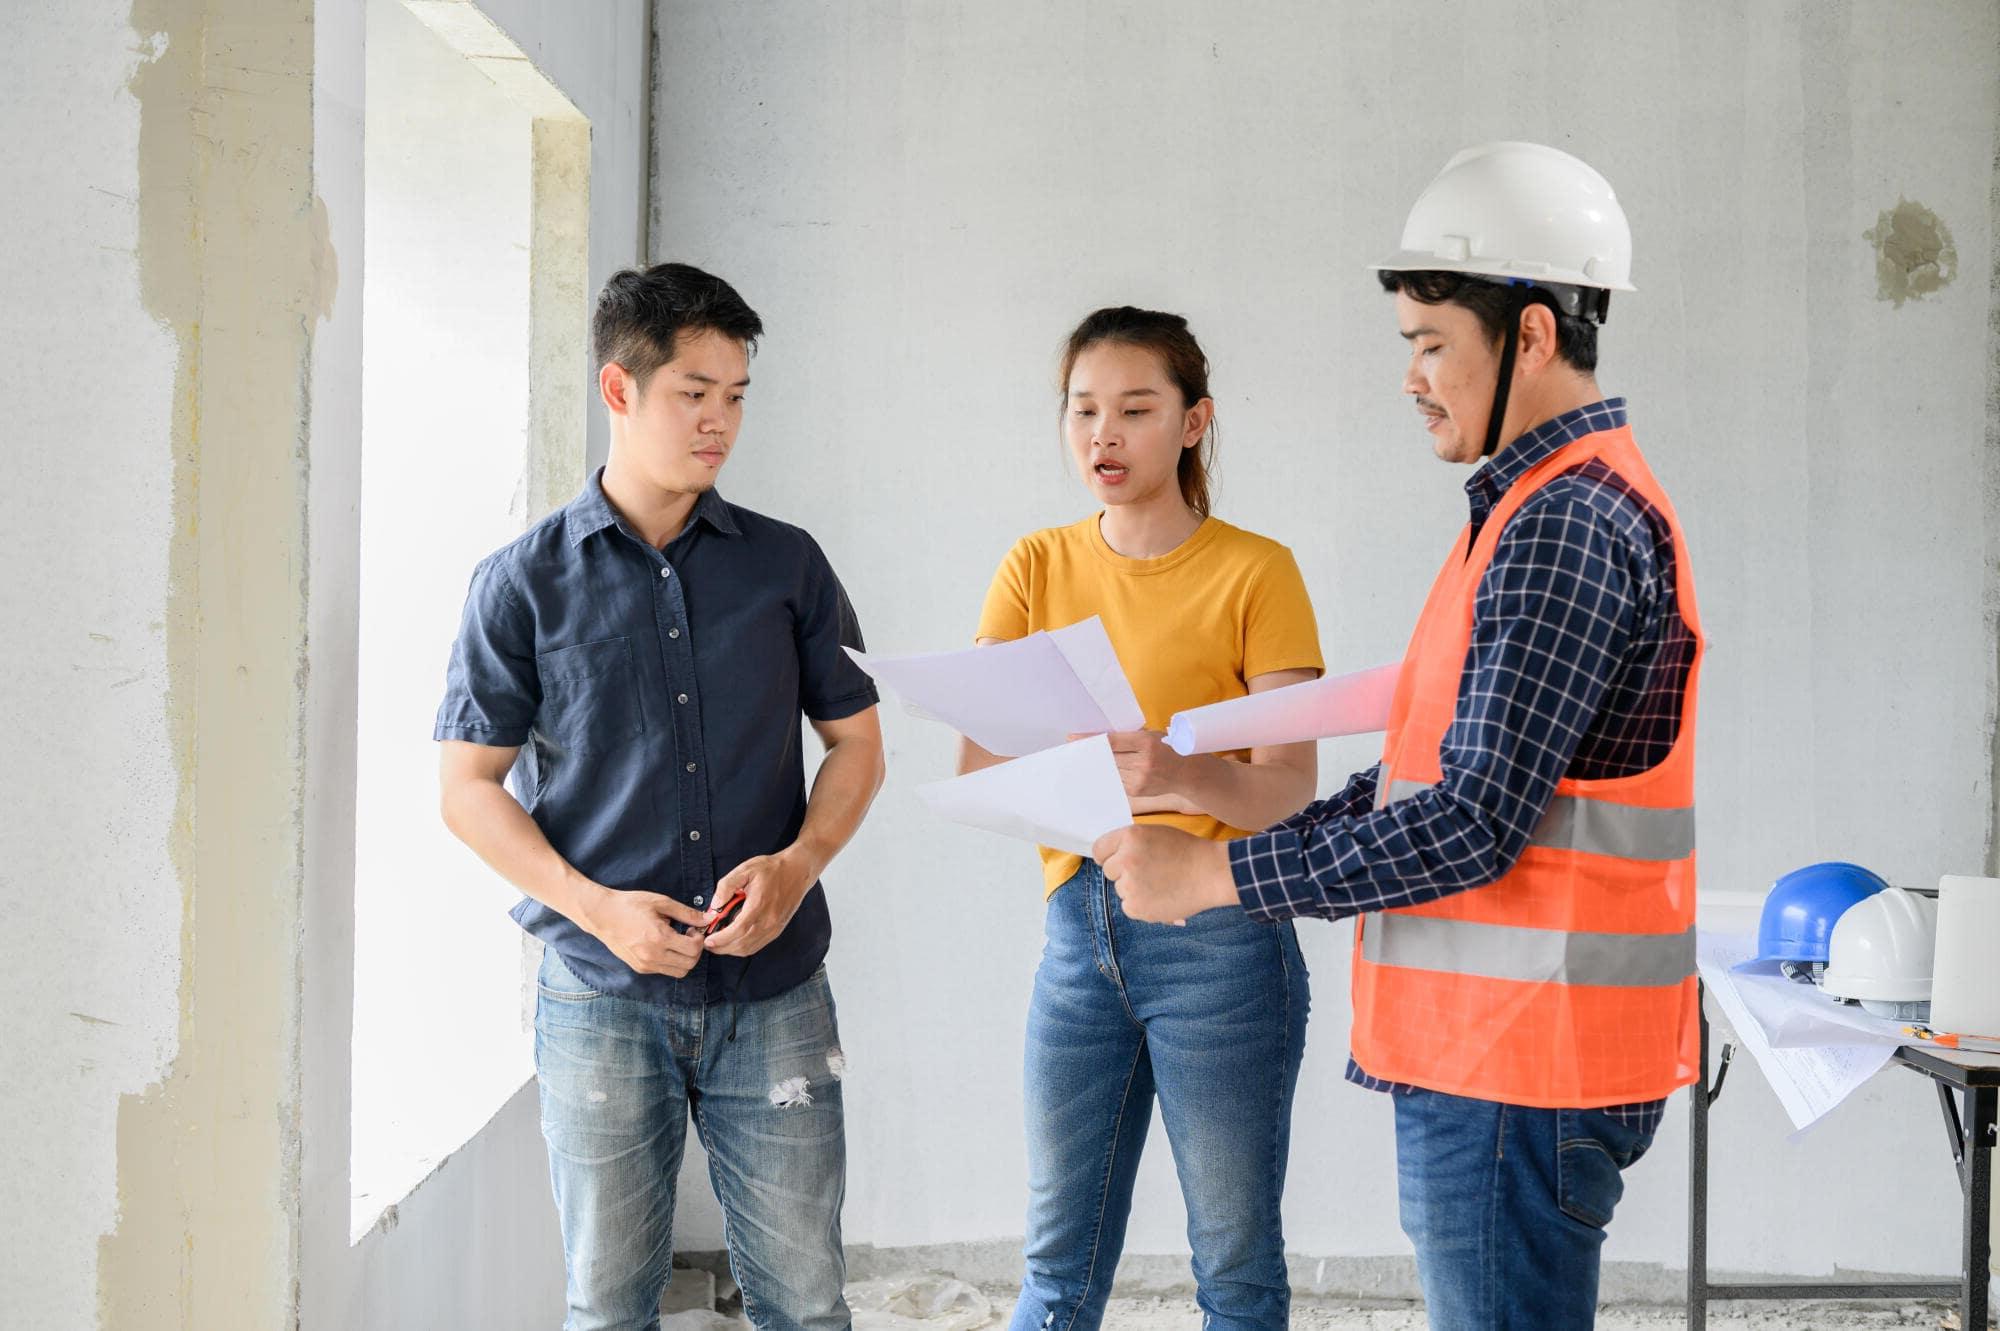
(590, 696)
(1592, 1152)
(557, 981)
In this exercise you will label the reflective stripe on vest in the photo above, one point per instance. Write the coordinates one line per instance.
(1595, 827)
(1506, 952)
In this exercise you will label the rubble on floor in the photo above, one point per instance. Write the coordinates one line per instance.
(938, 1301)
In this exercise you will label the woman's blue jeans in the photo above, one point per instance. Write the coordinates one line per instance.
(1210, 1019)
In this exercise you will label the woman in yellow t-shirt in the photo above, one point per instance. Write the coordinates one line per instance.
(1208, 1017)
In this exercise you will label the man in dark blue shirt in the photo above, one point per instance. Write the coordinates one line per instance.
(639, 661)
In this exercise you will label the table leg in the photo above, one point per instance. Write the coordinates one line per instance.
(1980, 1121)
(1697, 1279)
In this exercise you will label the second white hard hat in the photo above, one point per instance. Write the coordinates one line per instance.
(1883, 948)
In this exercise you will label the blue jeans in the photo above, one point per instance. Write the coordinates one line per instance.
(618, 1080)
(1211, 1019)
(1507, 1208)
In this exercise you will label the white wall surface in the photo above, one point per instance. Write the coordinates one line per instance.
(477, 1247)
(922, 199)
(93, 967)
(596, 54)
(439, 1037)
(90, 977)
(920, 203)
(476, 1244)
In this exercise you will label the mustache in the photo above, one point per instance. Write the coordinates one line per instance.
(1425, 404)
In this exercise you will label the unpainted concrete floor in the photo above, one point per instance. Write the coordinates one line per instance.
(931, 1301)
(1160, 1314)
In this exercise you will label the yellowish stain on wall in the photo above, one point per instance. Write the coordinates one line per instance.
(1914, 253)
(234, 261)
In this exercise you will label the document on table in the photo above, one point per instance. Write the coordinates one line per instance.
(1064, 798)
(1022, 696)
(1352, 704)
(1809, 1081)
(1800, 1016)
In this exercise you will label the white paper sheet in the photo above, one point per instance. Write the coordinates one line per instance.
(1018, 697)
(1352, 704)
(1800, 1016)
(1809, 1081)
(1065, 797)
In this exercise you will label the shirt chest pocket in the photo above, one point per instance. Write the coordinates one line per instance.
(590, 696)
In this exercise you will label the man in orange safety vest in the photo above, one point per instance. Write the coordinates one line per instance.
(1521, 862)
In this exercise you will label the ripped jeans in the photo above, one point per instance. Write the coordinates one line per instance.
(620, 1078)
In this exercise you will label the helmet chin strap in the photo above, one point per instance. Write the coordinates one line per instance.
(1501, 389)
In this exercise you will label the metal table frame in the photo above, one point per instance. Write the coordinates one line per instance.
(1976, 1078)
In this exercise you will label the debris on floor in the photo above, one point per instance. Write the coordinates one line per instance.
(935, 1301)
(702, 1319)
(930, 1302)
(690, 1288)
(1175, 1314)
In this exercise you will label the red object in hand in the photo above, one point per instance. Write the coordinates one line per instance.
(722, 912)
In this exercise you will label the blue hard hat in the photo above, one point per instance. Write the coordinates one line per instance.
(1805, 904)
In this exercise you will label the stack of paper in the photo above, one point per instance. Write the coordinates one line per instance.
(1027, 697)
(1810, 1079)
(1064, 798)
(1022, 696)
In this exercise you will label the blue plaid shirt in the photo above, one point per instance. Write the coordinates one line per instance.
(1578, 665)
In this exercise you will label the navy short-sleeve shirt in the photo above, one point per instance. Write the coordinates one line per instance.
(655, 696)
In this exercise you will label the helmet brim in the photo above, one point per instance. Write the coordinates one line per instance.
(1876, 988)
(1496, 270)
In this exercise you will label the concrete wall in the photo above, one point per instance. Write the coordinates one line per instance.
(920, 202)
(86, 845)
(596, 54)
(921, 199)
(184, 190)
(476, 1244)
(169, 269)
(448, 257)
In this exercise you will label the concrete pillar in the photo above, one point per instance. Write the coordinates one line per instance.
(234, 263)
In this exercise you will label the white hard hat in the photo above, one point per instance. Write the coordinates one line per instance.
(1519, 212)
(1883, 948)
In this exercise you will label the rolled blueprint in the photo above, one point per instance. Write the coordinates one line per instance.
(1318, 709)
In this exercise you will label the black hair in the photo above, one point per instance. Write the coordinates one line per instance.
(1494, 303)
(643, 311)
(1168, 337)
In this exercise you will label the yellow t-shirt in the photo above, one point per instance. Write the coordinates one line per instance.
(1190, 627)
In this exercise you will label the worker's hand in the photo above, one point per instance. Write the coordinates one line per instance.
(638, 927)
(1146, 765)
(772, 887)
(1164, 874)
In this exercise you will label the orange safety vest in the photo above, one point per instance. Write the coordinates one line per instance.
(1569, 981)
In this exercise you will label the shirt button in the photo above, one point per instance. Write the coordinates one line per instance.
(683, 697)
(690, 767)
(694, 836)
(666, 573)
(698, 901)
(673, 633)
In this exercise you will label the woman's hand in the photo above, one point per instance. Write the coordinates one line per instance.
(1148, 767)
